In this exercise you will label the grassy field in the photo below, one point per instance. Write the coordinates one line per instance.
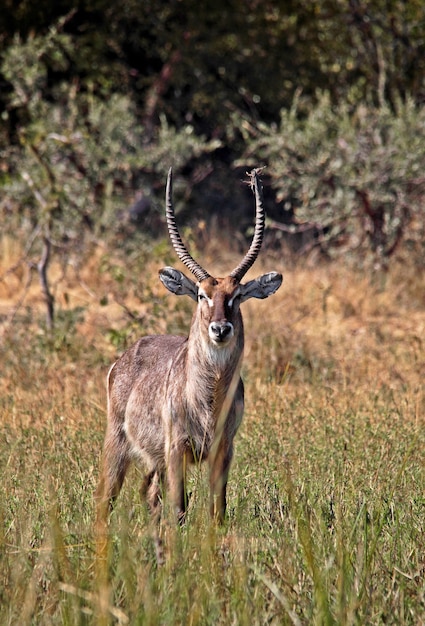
(326, 519)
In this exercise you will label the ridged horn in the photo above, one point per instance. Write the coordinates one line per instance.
(240, 271)
(176, 240)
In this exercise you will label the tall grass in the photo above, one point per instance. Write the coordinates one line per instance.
(326, 495)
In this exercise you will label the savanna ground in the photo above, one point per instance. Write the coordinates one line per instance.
(327, 491)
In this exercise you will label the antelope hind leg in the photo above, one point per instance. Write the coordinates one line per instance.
(115, 462)
(219, 473)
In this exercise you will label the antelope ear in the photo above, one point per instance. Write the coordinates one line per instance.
(176, 282)
(261, 287)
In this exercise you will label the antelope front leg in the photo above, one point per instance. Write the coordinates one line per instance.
(176, 472)
(219, 472)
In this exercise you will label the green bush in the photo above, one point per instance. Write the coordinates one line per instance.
(77, 158)
(357, 173)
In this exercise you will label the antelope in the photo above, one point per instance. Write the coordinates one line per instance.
(175, 401)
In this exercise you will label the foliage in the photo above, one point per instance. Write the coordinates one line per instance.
(78, 154)
(356, 173)
(197, 63)
(99, 98)
(79, 157)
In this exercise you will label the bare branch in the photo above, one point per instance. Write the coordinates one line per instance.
(42, 266)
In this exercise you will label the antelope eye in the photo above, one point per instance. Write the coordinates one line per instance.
(201, 296)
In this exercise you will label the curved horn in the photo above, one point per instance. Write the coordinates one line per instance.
(240, 271)
(176, 240)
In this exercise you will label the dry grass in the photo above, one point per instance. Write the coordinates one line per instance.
(326, 502)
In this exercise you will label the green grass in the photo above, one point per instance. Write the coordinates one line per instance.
(326, 497)
(326, 526)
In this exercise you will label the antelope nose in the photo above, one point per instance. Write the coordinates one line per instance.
(221, 331)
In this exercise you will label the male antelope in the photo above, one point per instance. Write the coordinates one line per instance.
(176, 400)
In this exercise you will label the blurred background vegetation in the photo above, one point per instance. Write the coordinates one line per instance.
(99, 98)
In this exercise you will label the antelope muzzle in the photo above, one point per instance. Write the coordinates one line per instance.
(220, 332)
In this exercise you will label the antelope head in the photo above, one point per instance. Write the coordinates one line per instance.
(218, 315)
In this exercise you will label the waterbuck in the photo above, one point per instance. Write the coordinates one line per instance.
(176, 400)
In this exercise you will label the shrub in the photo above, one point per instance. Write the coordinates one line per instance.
(358, 174)
(77, 157)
